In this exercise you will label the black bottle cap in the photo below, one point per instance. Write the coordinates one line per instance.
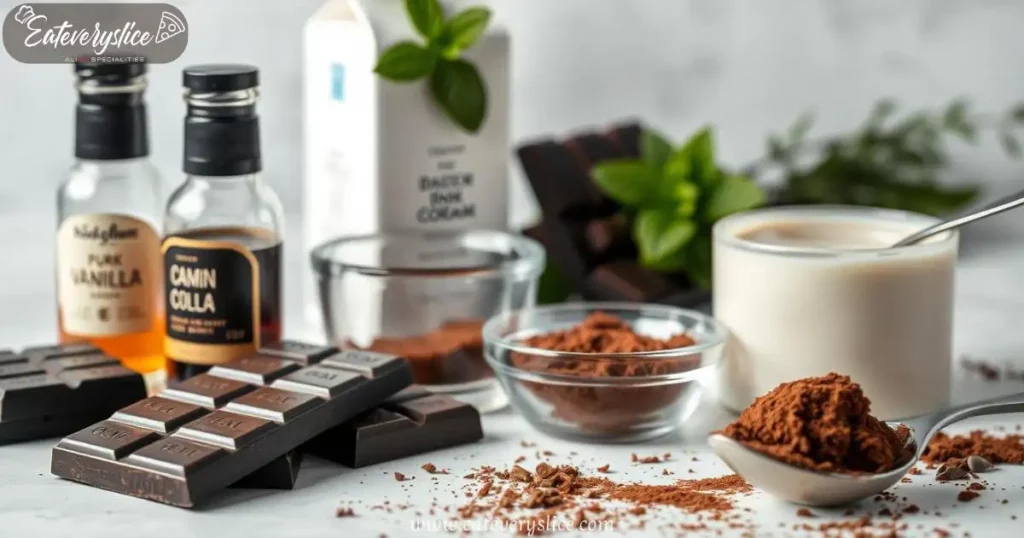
(222, 130)
(110, 119)
(113, 72)
(220, 77)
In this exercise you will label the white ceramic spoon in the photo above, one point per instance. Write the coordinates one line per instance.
(811, 488)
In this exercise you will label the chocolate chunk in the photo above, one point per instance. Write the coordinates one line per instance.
(627, 281)
(627, 137)
(562, 181)
(609, 237)
(54, 390)
(409, 423)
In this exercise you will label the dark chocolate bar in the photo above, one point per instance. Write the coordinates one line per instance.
(584, 233)
(210, 431)
(50, 391)
(284, 471)
(411, 422)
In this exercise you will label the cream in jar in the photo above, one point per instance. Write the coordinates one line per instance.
(809, 290)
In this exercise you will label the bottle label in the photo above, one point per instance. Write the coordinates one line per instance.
(212, 300)
(108, 275)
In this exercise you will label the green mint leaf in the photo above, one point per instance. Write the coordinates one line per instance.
(701, 148)
(459, 90)
(405, 61)
(732, 195)
(660, 235)
(686, 195)
(880, 112)
(627, 181)
(654, 148)
(800, 127)
(698, 260)
(1010, 144)
(426, 16)
(552, 286)
(462, 30)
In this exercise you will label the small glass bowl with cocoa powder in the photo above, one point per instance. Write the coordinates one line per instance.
(608, 372)
(425, 297)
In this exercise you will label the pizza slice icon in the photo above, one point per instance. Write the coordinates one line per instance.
(170, 26)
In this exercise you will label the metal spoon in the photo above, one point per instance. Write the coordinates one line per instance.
(993, 208)
(812, 488)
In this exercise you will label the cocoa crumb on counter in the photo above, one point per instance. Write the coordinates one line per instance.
(344, 511)
(804, 512)
(400, 477)
(967, 495)
(604, 468)
(644, 459)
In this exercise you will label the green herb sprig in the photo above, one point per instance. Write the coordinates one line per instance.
(888, 161)
(673, 196)
(455, 83)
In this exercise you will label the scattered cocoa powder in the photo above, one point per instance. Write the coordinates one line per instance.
(1004, 449)
(644, 459)
(400, 477)
(452, 353)
(344, 511)
(562, 491)
(822, 424)
(605, 409)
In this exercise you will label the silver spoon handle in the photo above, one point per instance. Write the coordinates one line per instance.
(1012, 403)
(998, 206)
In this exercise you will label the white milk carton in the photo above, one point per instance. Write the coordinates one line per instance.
(381, 155)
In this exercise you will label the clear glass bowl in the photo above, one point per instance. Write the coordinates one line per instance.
(636, 396)
(425, 297)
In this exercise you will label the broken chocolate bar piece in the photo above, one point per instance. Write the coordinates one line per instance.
(627, 137)
(627, 280)
(563, 186)
(50, 391)
(411, 422)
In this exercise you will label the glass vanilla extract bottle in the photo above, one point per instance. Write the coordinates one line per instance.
(109, 289)
(223, 229)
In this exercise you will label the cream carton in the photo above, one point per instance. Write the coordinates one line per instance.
(381, 155)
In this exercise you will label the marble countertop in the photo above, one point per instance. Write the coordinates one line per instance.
(990, 299)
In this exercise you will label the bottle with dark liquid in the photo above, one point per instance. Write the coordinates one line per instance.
(223, 229)
(109, 291)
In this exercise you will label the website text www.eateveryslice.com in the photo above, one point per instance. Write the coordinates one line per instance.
(528, 526)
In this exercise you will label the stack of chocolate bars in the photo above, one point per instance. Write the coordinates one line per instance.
(582, 230)
(243, 423)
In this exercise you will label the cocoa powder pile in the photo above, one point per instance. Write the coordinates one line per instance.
(943, 448)
(822, 424)
(452, 353)
(605, 409)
